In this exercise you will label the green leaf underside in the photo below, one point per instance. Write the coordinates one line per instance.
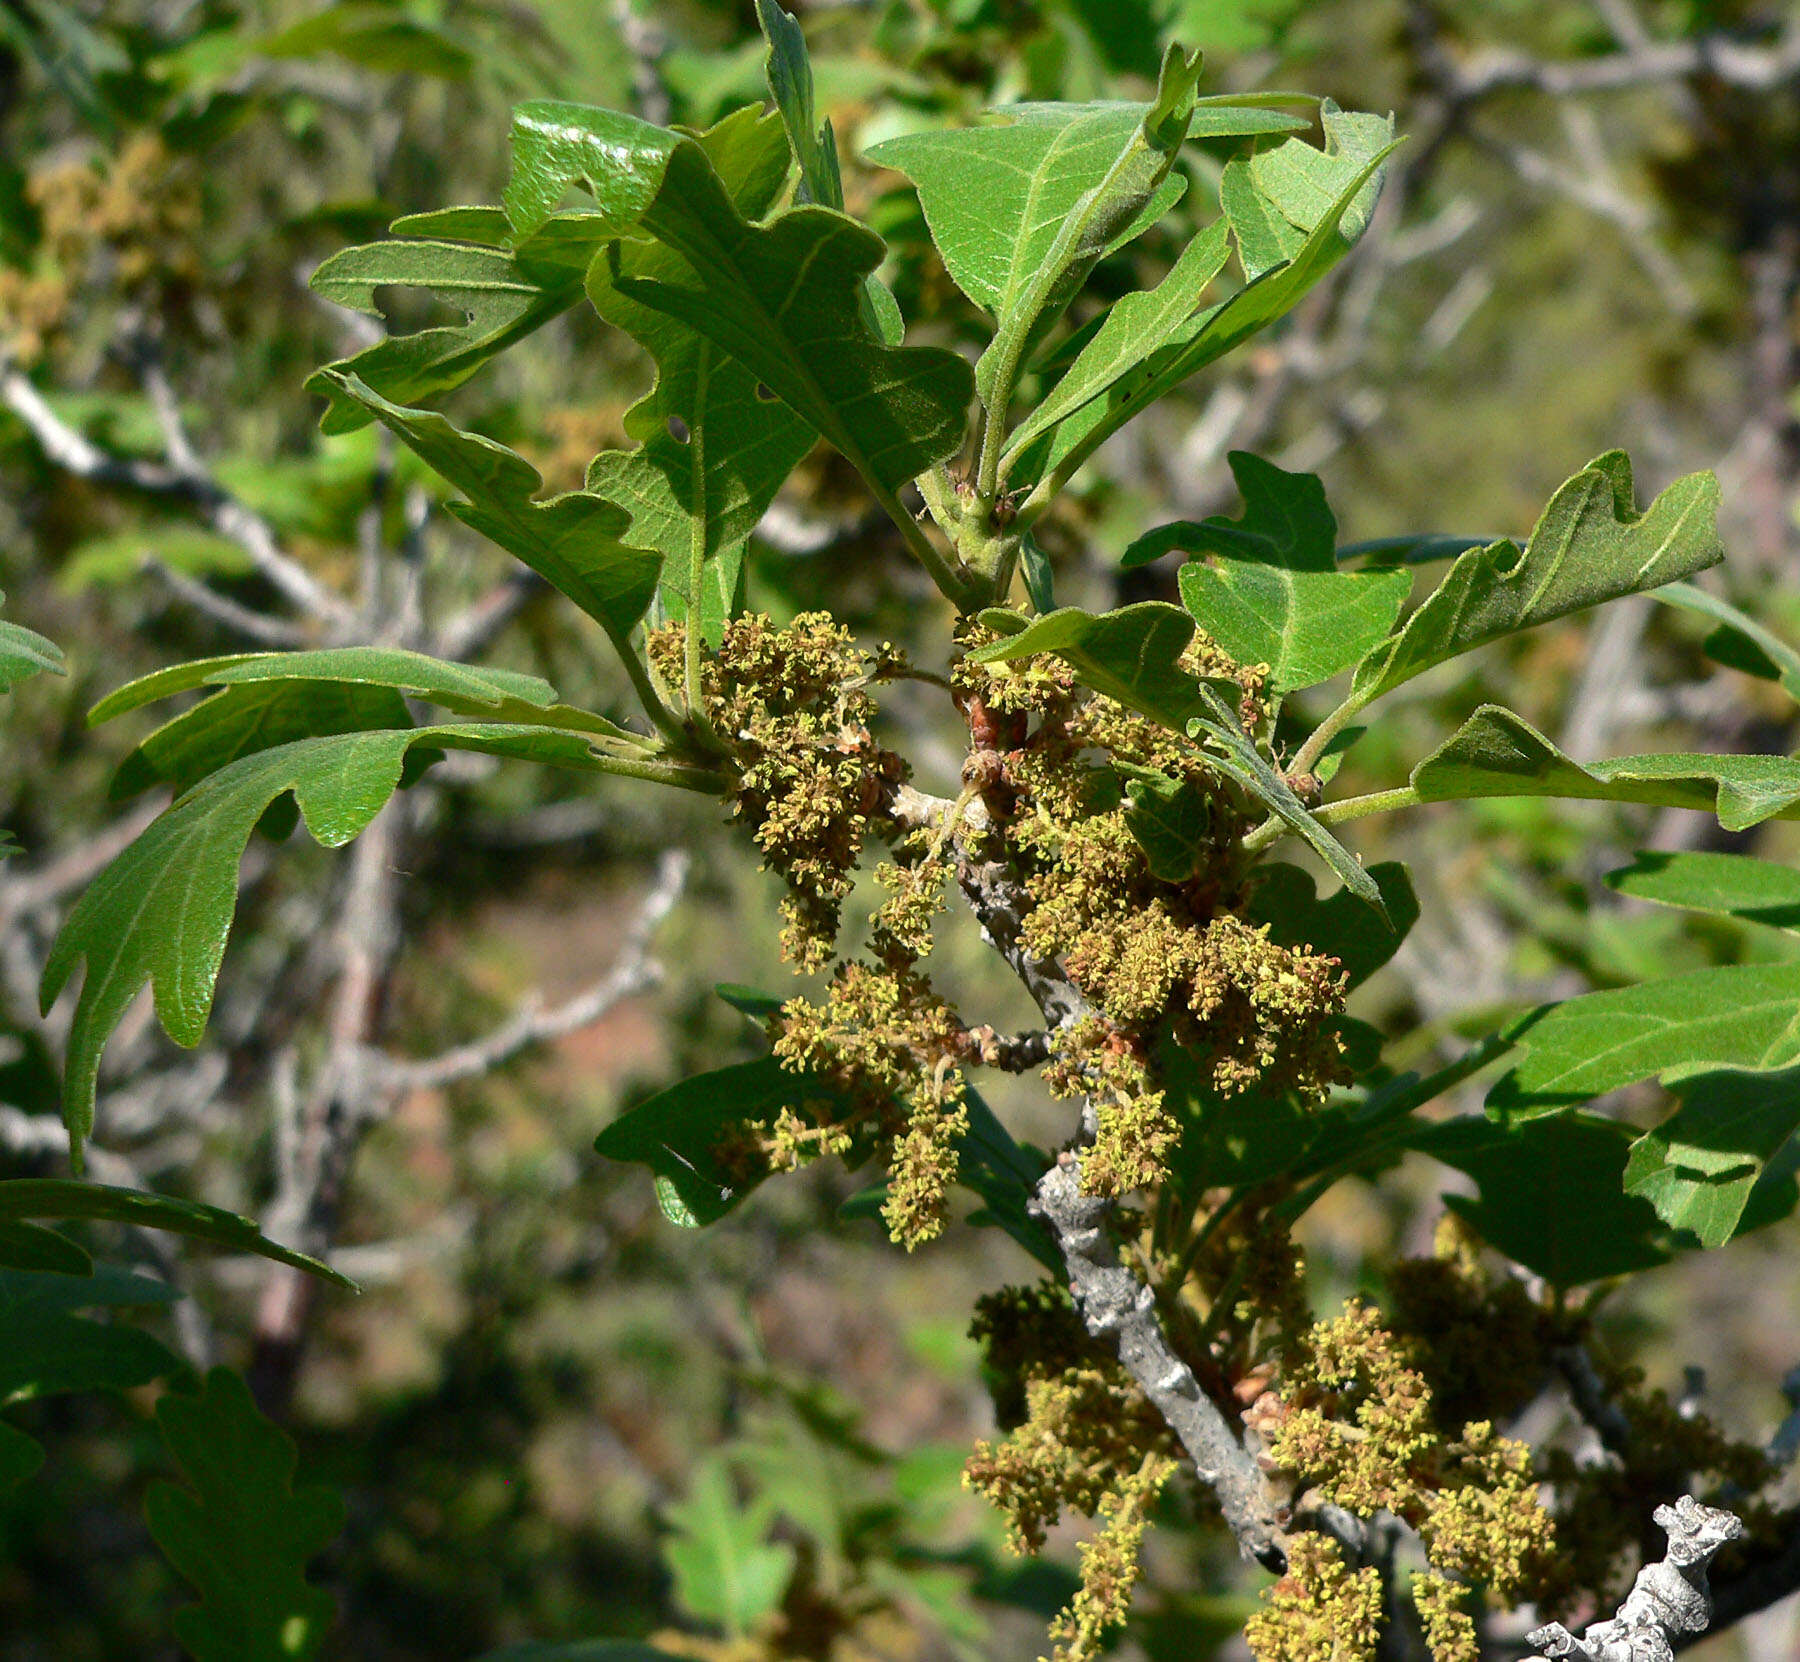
(162, 910)
(725, 1571)
(1700, 1167)
(997, 197)
(47, 1349)
(1274, 594)
(1591, 545)
(241, 1531)
(1497, 753)
(1337, 924)
(502, 302)
(1199, 341)
(789, 74)
(1740, 641)
(1135, 325)
(48, 1197)
(1552, 1196)
(699, 497)
(1237, 757)
(1744, 1016)
(1132, 655)
(1133, 328)
(573, 541)
(1274, 198)
(1734, 885)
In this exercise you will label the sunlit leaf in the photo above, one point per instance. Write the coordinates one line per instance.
(1735, 885)
(1497, 753)
(1699, 1167)
(1591, 545)
(1733, 1016)
(726, 1570)
(1272, 592)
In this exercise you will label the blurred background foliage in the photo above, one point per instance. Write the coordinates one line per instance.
(552, 1414)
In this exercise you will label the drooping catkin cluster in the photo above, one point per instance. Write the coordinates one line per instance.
(1355, 1427)
(1079, 1436)
(1151, 952)
(791, 704)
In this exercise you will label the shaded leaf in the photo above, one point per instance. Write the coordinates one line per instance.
(241, 1531)
(1497, 753)
(1733, 1016)
(1758, 891)
(1700, 1166)
(20, 1457)
(1004, 1174)
(1337, 924)
(789, 74)
(1171, 821)
(1591, 545)
(1740, 642)
(47, 1349)
(1551, 1194)
(725, 1570)
(677, 1133)
(1273, 594)
(572, 541)
(579, 1650)
(1132, 655)
(48, 1197)
(377, 37)
(29, 1246)
(501, 301)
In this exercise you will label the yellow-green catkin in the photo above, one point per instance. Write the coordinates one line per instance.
(1320, 1611)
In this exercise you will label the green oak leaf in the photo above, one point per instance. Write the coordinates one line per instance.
(502, 301)
(677, 1132)
(1744, 1016)
(1004, 1173)
(1200, 340)
(1132, 655)
(788, 71)
(1739, 642)
(1022, 207)
(725, 1569)
(162, 910)
(572, 541)
(1591, 545)
(1552, 1196)
(1701, 1165)
(713, 446)
(1274, 198)
(1172, 822)
(1735, 885)
(1497, 753)
(1273, 593)
(1337, 924)
(30, 1246)
(46, 1349)
(783, 298)
(25, 653)
(1133, 327)
(49, 1197)
(241, 1530)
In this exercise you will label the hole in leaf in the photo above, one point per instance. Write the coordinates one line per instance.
(764, 394)
(678, 429)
